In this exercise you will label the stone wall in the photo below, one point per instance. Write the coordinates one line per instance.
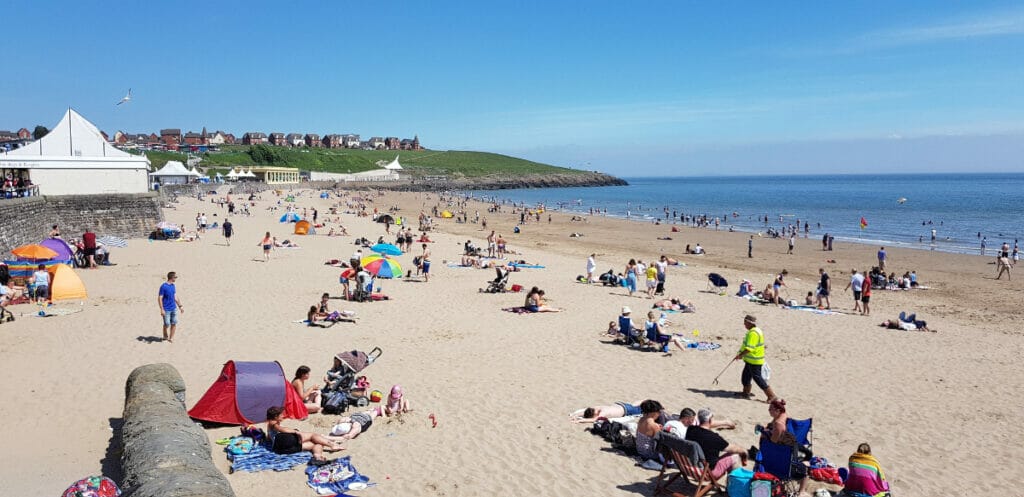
(28, 220)
(164, 453)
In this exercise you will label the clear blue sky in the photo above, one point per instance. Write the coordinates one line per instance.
(631, 88)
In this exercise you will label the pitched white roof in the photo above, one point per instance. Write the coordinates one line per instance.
(73, 136)
(173, 168)
(393, 165)
(233, 174)
(194, 172)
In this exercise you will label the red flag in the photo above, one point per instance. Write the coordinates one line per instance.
(863, 223)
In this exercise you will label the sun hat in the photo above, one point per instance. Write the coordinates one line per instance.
(750, 319)
(626, 309)
(396, 392)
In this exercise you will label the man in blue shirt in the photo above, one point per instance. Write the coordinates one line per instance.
(881, 258)
(169, 304)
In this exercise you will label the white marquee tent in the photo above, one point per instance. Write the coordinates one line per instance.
(393, 165)
(173, 173)
(74, 159)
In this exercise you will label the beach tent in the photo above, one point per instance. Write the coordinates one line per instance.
(393, 165)
(58, 245)
(243, 392)
(447, 215)
(303, 227)
(173, 173)
(67, 285)
(232, 175)
(290, 217)
(386, 218)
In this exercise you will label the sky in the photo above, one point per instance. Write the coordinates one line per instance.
(629, 88)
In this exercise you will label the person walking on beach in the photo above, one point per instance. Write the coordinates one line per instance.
(983, 240)
(267, 243)
(824, 288)
(881, 258)
(591, 267)
(425, 263)
(750, 247)
(857, 283)
(1004, 267)
(792, 243)
(170, 306)
(752, 353)
(865, 296)
(228, 231)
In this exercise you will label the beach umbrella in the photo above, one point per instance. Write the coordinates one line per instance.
(386, 249)
(381, 267)
(112, 241)
(34, 251)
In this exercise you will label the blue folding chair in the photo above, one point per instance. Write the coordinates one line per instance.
(775, 459)
(802, 430)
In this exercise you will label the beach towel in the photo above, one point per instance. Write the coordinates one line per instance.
(811, 308)
(337, 477)
(703, 345)
(518, 310)
(261, 459)
(526, 266)
(56, 311)
(455, 264)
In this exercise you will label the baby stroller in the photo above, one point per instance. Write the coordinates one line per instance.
(500, 283)
(344, 386)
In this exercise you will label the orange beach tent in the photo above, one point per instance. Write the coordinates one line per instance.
(302, 227)
(67, 285)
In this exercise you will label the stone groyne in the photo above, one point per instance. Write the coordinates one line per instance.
(165, 453)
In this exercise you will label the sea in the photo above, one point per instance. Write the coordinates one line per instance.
(897, 209)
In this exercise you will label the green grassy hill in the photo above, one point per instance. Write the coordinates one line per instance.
(454, 164)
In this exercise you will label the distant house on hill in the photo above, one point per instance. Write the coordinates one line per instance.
(216, 138)
(333, 141)
(294, 140)
(170, 136)
(376, 143)
(254, 138)
(230, 139)
(313, 140)
(392, 143)
(350, 141)
(277, 139)
(193, 138)
(24, 134)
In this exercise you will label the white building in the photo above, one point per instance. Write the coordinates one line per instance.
(74, 159)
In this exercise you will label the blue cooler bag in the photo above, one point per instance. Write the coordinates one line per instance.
(738, 484)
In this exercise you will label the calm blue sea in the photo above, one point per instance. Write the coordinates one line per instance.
(956, 206)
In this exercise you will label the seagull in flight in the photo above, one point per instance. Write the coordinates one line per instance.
(127, 98)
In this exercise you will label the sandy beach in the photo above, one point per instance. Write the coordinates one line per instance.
(501, 385)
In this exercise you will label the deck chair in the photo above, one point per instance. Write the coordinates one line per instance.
(802, 430)
(778, 460)
(716, 283)
(689, 461)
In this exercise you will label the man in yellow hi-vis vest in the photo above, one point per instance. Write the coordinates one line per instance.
(752, 353)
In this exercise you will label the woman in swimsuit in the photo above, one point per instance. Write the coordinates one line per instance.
(289, 440)
(310, 396)
(267, 244)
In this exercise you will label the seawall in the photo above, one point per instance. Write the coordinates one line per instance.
(28, 220)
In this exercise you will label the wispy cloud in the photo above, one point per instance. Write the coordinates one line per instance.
(965, 27)
(990, 24)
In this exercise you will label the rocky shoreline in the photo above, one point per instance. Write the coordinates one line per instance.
(507, 182)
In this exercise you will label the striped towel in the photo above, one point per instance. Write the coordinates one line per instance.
(261, 459)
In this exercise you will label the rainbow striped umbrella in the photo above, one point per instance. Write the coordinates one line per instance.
(381, 267)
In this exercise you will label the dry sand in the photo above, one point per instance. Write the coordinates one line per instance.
(500, 384)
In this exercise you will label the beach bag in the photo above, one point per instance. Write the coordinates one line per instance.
(335, 402)
(239, 445)
(93, 486)
(766, 372)
(738, 484)
(760, 488)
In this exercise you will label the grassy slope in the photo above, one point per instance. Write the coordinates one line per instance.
(419, 163)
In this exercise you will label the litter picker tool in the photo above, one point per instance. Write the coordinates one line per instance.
(715, 381)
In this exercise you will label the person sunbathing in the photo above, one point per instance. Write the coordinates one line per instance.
(618, 410)
(310, 396)
(350, 427)
(285, 440)
(675, 304)
(907, 323)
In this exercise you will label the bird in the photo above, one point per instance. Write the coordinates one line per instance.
(127, 98)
